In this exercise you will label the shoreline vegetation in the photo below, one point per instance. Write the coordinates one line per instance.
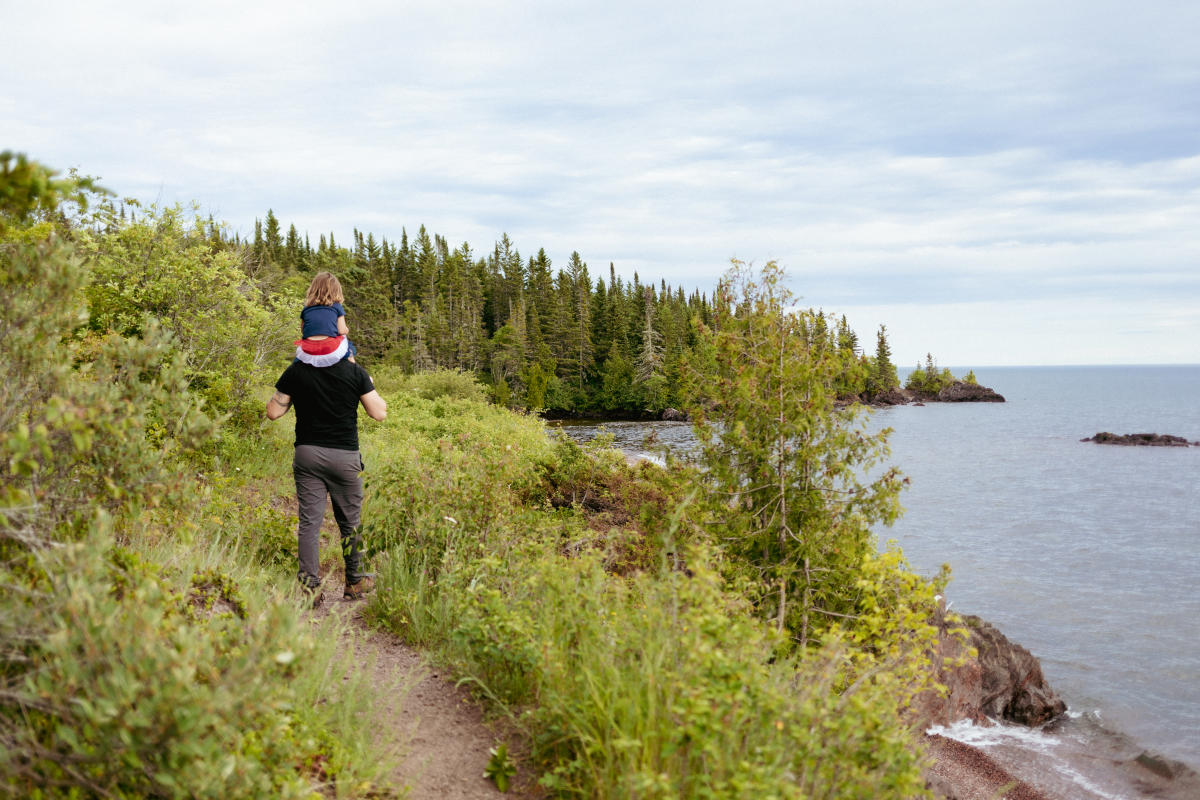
(649, 631)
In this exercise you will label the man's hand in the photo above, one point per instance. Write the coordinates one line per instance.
(278, 405)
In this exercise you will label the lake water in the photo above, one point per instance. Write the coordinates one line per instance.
(1087, 555)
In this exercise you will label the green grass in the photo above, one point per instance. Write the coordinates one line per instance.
(603, 628)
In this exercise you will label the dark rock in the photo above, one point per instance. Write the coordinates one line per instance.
(1141, 439)
(892, 397)
(963, 392)
(1002, 680)
(1013, 685)
(961, 675)
(674, 415)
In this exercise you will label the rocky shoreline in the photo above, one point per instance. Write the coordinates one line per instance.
(989, 680)
(987, 677)
(957, 392)
(961, 772)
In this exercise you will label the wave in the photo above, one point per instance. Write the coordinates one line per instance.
(1077, 758)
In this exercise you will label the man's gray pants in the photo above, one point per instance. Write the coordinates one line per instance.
(321, 471)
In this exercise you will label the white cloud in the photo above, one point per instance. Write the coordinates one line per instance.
(900, 155)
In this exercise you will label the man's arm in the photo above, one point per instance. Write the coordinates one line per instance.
(375, 405)
(278, 405)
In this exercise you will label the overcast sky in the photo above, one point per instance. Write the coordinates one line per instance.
(997, 182)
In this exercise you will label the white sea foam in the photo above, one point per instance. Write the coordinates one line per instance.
(1054, 751)
(998, 733)
(1081, 780)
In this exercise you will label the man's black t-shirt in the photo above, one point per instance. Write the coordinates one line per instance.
(326, 402)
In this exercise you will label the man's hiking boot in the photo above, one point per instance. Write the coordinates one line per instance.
(315, 595)
(356, 591)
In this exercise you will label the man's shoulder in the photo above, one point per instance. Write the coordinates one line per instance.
(358, 375)
(353, 372)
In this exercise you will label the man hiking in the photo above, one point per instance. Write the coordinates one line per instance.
(327, 461)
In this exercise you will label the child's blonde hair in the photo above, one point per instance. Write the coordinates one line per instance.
(325, 290)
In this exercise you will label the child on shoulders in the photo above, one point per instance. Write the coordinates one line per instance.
(323, 324)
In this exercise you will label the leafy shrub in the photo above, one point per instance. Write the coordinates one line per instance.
(148, 691)
(448, 383)
(656, 682)
(82, 427)
(928, 379)
(162, 267)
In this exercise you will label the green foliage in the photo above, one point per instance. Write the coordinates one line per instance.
(970, 378)
(929, 380)
(616, 384)
(883, 375)
(86, 425)
(499, 768)
(30, 191)
(453, 384)
(651, 682)
(162, 268)
(785, 467)
(126, 686)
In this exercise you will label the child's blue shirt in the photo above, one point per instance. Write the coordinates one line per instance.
(321, 320)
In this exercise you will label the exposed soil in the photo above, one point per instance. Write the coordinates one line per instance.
(437, 728)
(442, 737)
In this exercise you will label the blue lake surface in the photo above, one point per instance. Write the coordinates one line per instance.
(1087, 555)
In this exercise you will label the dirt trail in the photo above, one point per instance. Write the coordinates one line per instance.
(438, 728)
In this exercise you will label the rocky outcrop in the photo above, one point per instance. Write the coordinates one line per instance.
(1140, 440)
(674, 415)
(893, 397)
(987, 677)
(1013, 687)
(963, 392)
(957, 392)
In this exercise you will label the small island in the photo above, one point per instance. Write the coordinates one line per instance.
(956, 392)
(1140, 440)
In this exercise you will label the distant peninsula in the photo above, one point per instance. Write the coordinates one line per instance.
(956, 392)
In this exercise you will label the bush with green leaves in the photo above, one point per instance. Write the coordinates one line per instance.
(784, 467)
(928, 379)
(82, 428)
(449, 383)
(129, 682)
(119, 677)
(162, 267)
(658, 682)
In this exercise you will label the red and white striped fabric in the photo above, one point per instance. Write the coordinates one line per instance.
(322, 352)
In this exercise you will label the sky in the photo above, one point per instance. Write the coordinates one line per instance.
(999, 183)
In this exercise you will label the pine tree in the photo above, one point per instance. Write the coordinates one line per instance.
(581, 318)
(649, 367)
(763, 406)
(293, 251)
(883, 372)
(272, 239)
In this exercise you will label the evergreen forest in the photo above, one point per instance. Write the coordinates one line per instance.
(558, 339)
(725, 628)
